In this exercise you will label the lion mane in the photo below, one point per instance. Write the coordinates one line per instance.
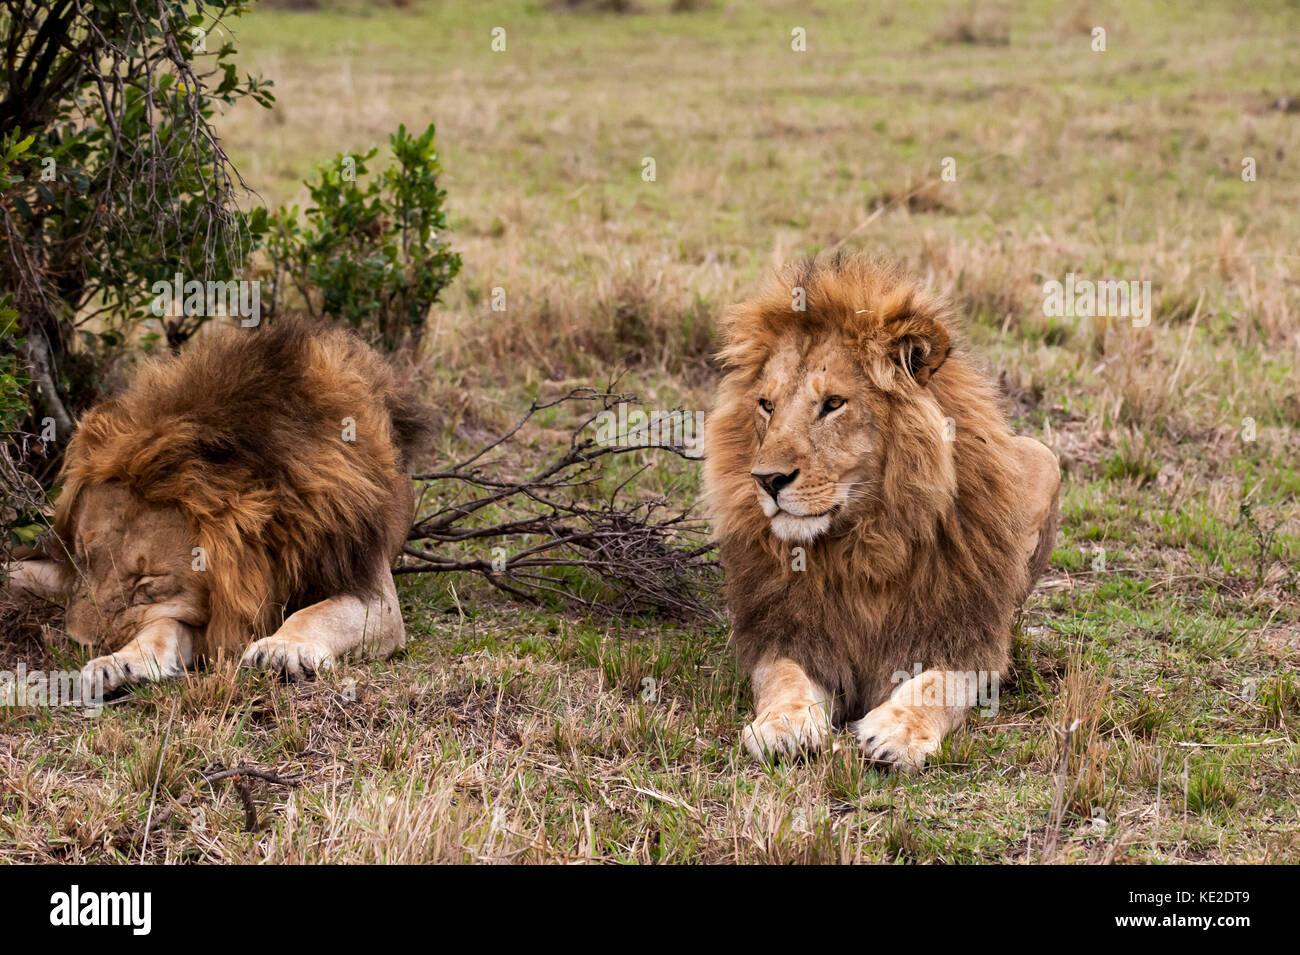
(933, 573)
(247, 433)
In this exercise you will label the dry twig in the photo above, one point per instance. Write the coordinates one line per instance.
(240, 777)
(650, 555)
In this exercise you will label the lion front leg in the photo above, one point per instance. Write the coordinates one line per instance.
(162, 648)
(316, 637)
(910, 726)
(44, 578)
(792, 713)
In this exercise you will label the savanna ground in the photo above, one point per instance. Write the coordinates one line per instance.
(1168, 627)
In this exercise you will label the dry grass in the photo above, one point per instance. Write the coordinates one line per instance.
(1167, 625)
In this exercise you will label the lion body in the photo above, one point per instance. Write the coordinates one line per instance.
(931, 576)
(286, 451)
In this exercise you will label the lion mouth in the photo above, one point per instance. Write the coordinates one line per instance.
(800, 528)
(826, 513)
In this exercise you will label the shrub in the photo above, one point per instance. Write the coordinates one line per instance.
(21, 498)
(13, 383)
(113, 175)
(371, 255)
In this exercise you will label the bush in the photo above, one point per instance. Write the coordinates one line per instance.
(21, 499)
(113, 177)
(372, 256)
(113, 180)
(13, 383)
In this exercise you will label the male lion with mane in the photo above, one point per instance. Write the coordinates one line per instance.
(247, 496)
(879, 523)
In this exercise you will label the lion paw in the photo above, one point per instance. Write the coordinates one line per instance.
(787, 729)
(897, 735)
(296, 658)
(114, 671)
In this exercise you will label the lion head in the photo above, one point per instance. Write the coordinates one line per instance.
(825, 416)
(132, 563)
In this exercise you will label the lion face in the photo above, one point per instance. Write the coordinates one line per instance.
(133, 565)
(827, 418)
(816, 418)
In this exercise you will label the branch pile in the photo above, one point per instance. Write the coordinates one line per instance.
(527, 535)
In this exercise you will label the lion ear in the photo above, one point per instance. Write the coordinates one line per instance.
(921, 345)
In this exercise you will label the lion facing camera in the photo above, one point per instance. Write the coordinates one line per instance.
(246, 497)
(879, 523)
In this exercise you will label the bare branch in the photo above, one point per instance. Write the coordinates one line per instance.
(641, 555)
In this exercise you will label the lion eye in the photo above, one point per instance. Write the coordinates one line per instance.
(830, 404)
(143, 590)
(767, 406)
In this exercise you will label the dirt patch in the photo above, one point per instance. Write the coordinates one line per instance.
(1285, 640)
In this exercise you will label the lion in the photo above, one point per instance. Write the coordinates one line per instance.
(878, 522)
(248, 496)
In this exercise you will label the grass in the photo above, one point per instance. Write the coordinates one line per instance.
(1168, 630)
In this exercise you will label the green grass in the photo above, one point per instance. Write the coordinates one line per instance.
(509, 733)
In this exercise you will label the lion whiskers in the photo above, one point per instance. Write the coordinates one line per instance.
(857, 491)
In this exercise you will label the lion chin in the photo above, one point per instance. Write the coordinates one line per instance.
(878, 522)
(794, 529)
(246, 498)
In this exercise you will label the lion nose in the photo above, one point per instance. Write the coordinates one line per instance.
(773, 481)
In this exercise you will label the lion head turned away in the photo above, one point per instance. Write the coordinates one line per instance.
(247, 497)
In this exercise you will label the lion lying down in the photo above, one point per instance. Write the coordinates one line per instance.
(248, 497)
(878, 521)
